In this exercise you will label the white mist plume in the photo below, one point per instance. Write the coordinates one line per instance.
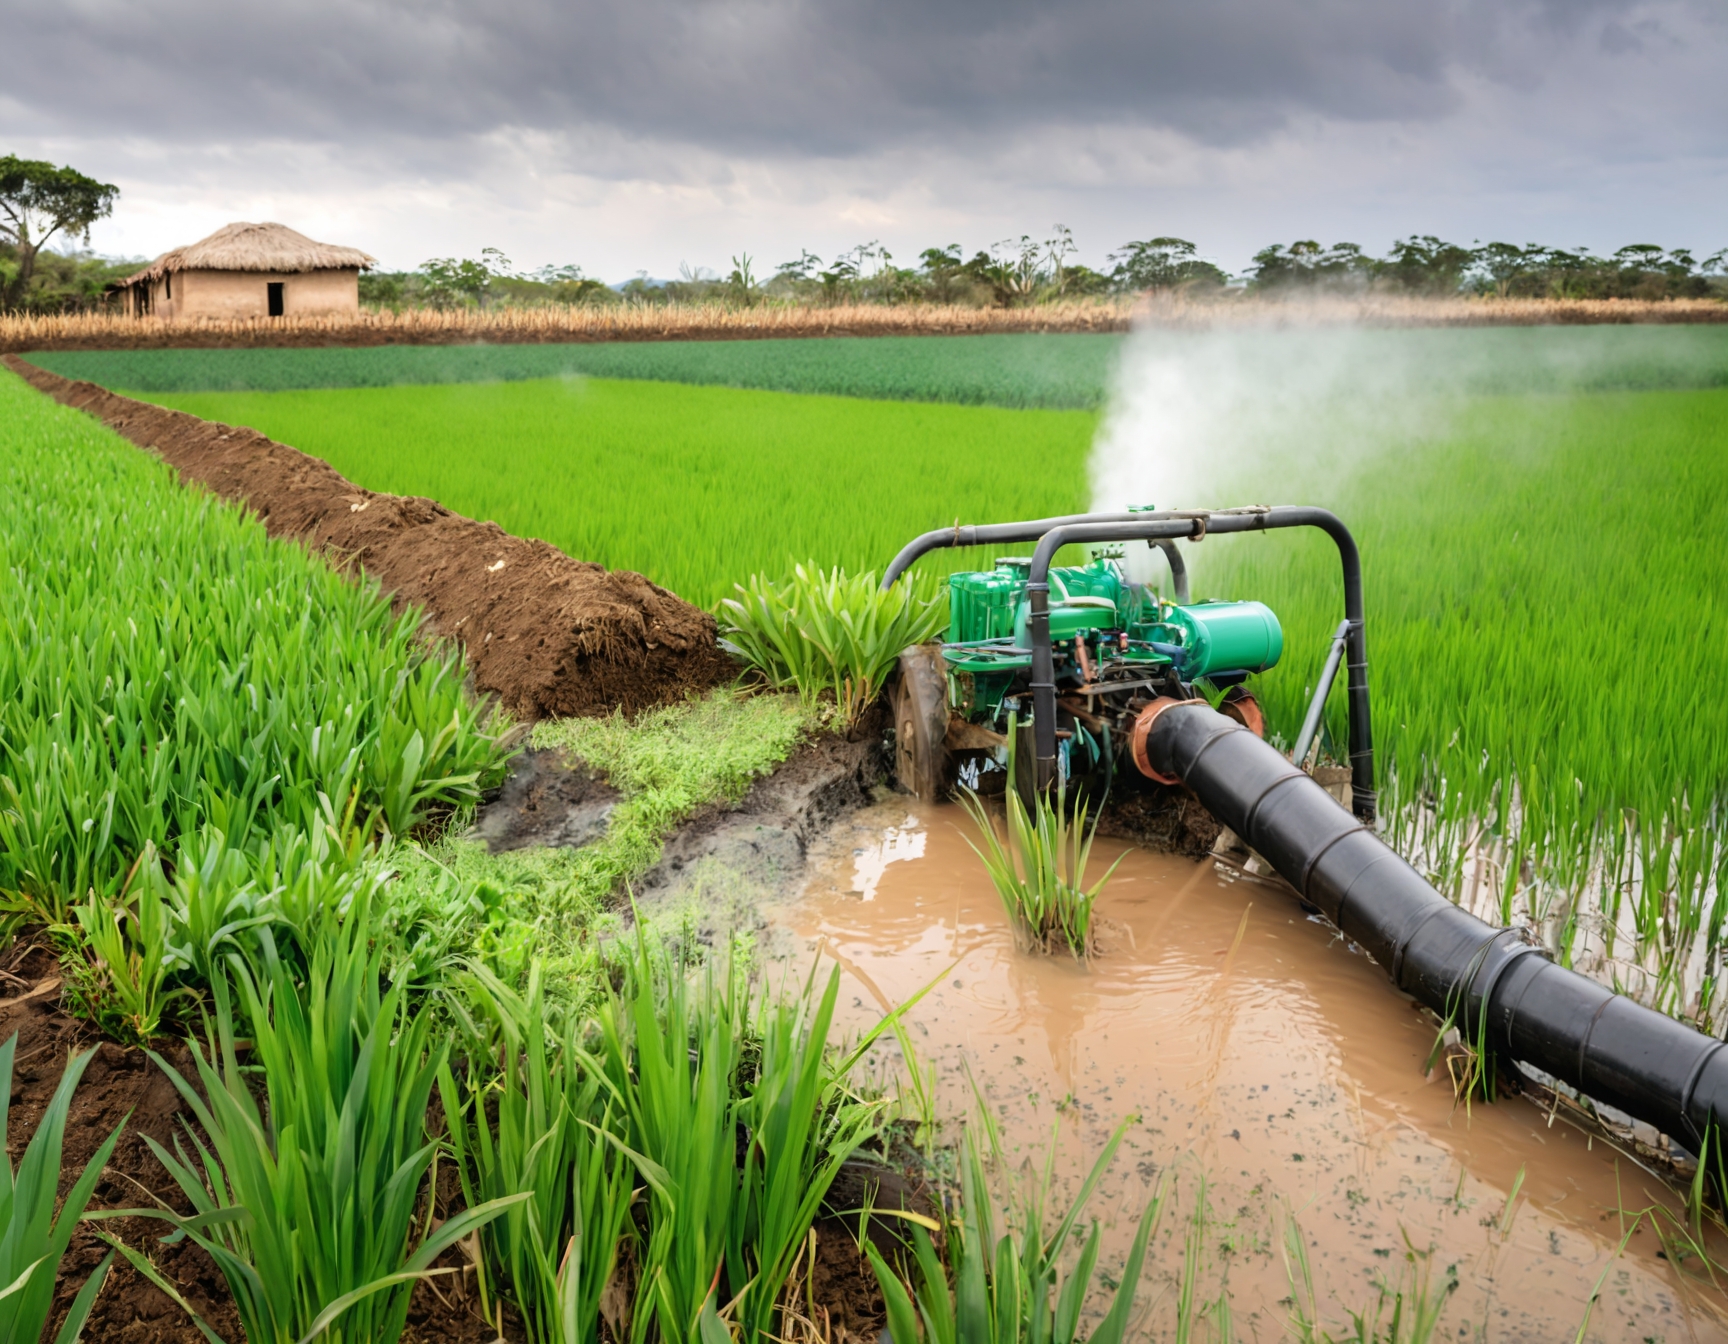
(1217, 418)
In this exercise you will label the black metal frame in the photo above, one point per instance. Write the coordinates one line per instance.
(1052, 534)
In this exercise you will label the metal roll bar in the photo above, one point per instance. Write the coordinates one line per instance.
(1196, 524)
(1162, 528)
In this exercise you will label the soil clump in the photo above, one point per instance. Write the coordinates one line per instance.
(549, 635)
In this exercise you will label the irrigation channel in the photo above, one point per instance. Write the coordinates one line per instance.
(1263, 1054)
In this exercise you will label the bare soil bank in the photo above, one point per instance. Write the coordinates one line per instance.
(547, 634)
(718, 322)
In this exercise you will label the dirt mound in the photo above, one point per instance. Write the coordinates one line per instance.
(549, 635)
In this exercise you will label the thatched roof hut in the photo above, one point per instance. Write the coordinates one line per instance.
(248, 270)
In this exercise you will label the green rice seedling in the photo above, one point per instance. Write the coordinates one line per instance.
(544, 1125)
(822, 630)
(1407, 1311)
(1007, 1284)
(1039, 867)
(738, 1113)
(168, 667)
(803, 1122)
(1067, 371)
(36, 1225)
(307, 1205)
(124, 985)
(1035, 369)
(671, 1054)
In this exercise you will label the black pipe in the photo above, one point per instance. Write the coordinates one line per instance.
(1198, 524)
(995, 534)
(1502, 993)
(1178, 570)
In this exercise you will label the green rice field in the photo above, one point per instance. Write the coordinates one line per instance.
(1539, 511)
(1061, 372)
(1547, 599)
(696, 487)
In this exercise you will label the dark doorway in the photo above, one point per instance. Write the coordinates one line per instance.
(275, 288)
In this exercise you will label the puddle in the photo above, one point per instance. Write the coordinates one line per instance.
(1259, 1050)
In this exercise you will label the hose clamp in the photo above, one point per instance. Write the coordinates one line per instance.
(1142, 729)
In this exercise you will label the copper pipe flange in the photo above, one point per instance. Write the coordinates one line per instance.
(1142, 729)
(1241, 705)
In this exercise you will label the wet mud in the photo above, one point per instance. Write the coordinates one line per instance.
(730, 863)
(547, 801)
(1261, 1053)
(549, 635)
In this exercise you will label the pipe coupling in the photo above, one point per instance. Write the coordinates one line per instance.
(1142, 730)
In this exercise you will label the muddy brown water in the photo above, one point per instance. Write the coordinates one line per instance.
(1260, 1052)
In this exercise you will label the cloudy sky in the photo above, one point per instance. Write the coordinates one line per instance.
(635, 135)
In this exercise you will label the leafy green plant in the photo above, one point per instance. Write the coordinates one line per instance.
(33, 1233)
(1039, 866)
(543, 1126)
(118, 974)
(169, 667)
(803, 1121)
(307, 1205)
(1005, 1283)
(671, 1055)
(822, 630)
(738, 1114)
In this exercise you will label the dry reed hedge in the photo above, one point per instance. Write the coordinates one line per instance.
(100, 331)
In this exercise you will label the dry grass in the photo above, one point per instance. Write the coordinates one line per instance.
(724, 322)
(533, 325)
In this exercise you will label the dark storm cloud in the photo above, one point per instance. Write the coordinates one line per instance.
(768, 76)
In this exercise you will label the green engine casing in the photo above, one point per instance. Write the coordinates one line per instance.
(1218, 637)
(1223, 637)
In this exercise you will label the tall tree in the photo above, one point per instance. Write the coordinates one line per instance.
(38, 200)
(1160, 264)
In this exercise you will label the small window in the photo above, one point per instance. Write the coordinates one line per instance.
(275, 289)
(168, 285)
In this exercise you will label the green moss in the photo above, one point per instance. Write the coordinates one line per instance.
(456, 898)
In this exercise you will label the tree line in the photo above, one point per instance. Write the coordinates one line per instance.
(1022, 272)
(39, 202)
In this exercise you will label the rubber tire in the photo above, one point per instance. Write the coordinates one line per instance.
(920, 708)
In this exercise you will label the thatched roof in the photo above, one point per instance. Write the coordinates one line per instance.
(254, 247)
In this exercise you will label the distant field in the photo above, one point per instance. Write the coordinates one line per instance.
(1071, 371)
(696, 487)
(1065, 372)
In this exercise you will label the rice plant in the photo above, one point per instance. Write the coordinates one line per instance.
(1037, 862)
(1008, 1282)
(307, 1204)
(36, 1225)
(123, 985)
(724, 1102)
(1404, 1310)
(165, 667)
(544, 1126)
(822, 630)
